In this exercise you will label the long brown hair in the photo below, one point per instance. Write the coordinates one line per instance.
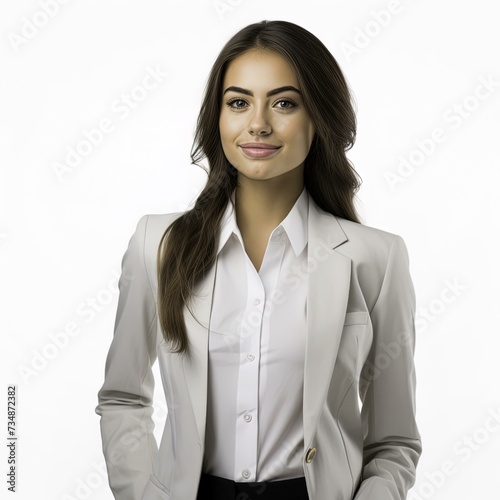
(329, 176)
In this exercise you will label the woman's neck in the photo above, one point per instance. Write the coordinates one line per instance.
(261, 205)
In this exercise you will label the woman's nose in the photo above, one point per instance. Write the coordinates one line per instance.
(259, 121)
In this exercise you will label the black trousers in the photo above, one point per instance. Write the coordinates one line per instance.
(219, 488)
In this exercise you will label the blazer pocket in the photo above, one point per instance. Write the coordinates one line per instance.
(356, 318)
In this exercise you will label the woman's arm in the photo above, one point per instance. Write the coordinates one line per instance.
(125, 399)
(392, 444)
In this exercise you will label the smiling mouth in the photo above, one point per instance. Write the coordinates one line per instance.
(260, 151)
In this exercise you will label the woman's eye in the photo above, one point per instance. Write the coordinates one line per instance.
(289, 104)
(233, 101)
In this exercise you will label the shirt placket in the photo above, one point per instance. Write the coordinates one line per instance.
(254, 326)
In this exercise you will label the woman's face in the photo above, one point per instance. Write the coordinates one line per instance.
(255, 110)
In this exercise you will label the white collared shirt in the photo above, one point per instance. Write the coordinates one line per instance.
(257, 338)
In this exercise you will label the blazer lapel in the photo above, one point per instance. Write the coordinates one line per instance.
(328, 291)
(196, 366)
(329, 274)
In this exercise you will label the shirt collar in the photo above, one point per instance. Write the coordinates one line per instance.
(294, 224)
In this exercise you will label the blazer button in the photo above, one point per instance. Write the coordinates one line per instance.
(311, 453)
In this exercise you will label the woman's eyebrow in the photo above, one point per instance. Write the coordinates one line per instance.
(270, 93)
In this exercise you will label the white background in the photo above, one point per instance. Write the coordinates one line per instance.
(62, 236)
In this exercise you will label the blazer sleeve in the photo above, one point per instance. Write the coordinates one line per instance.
(392, 443)
(125, 398)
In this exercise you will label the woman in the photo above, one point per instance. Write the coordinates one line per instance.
(273, 312)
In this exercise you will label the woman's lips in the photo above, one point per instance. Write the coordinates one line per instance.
(260, 152)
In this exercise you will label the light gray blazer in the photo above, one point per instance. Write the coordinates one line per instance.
(360, 342)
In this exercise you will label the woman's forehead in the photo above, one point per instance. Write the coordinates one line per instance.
(260, 70)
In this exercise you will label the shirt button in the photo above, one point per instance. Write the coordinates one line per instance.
(256, 302)
(246, 473)
(248, 417)
(279, 231)
(251, 357)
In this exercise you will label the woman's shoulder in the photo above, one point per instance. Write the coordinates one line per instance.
(356, 231)
(356, 234)
(160, 222)
(147, 236)
(152, 227)
(367, 244)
